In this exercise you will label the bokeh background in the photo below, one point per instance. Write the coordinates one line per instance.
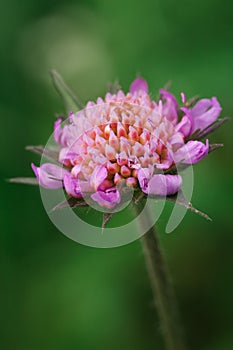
(55, 293)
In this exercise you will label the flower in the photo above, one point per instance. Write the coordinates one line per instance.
(128, 139)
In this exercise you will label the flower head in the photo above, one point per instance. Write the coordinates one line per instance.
(131, 140)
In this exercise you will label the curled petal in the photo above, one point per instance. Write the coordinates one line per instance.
(159, 184)
(108, 198)
(202, 106)
(192, 152)
(204, 113)
(163, 185)
(166, 95)
(71, 186)
(144, 175)
(184, 126)
(139, 84)
(49, 175)
(75, 187)
(170, 107)
(98, 176)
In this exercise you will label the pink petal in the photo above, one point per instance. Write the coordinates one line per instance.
(71, 186)
(75, 187)
(166, 95)
(139, 84)
(184, 126)
(57, 131)
(201, 107)
(159, 184)
(49, 175)
(205, 112)
(176, 140)
(67, 135)
(143, 178)
(183, 98)
(108, 198)
(163, 185)
(192, 152)
(170, 107)
(165, 163)
(98, 176)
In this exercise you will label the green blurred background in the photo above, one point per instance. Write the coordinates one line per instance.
(55, 293)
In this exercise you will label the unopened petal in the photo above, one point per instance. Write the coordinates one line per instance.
(139, 84)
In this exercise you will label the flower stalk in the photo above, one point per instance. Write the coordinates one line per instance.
(163, 292)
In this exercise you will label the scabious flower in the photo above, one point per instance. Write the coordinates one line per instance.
(131, 140)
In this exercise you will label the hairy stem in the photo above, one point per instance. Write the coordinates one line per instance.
(162, 288)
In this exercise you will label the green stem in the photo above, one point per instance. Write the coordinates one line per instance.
(162, 288)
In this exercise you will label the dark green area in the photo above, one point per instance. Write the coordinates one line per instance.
(56, 294)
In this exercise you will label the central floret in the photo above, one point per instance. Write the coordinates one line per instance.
(120, 135)
(128, 138)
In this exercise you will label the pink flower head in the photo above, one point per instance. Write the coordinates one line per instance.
(127, 139)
